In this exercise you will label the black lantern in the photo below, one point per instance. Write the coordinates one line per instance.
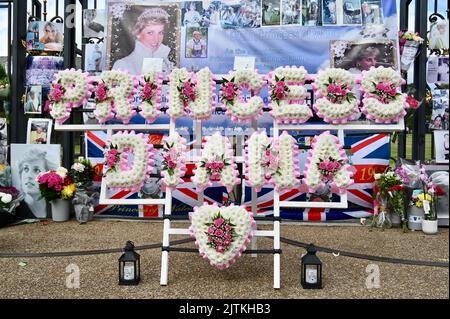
(129, 266)
(311, 277)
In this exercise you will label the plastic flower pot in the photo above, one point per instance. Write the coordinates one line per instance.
(415, 217)
(60, 210)
(430, 227)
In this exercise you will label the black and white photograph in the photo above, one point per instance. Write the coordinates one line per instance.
(33, 100)
(27, 162)
(440, 113)
(351, 12)
(95, 57)
(372, 12)
(39, 131)
(243, 14)
(196, 43)
(439, 36)
(329, 12)
(191, 13)
(291, 12)
(312, 13)
(45, 36)
(140, 31)
(357, 56)
(41, 69)
(3, 132)
(94, 22)
(441, 144)
(271, 12)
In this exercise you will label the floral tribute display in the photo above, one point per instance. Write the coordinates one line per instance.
(221, 233)
(191, 93)
(71, 88)
(114, 96)
(287, 93)
(122, 173)
(232, 95)
(173, 165)
(216, 164)
(56, 184)
(272, 161)
(151, 87)
(327, 164)
(383, 101)
(335, 102)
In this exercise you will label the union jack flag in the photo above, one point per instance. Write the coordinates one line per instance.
(369, 154)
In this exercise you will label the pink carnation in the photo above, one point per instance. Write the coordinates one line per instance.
(323, 165)
(101, 92)
(228, 236)
(147, 92)
(171, 164)
(220, 249)
(218, 222)
(210, 230)
(228, 228)
(227, 242)
(219, 232)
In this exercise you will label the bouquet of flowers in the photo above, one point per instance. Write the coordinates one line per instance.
(112, 156)
(56, 184)
(279, 90)
(409, 47)
(10, 197)
(429, 198)
(82, 173)
(220, 233)
(389, 193)
(214, 166)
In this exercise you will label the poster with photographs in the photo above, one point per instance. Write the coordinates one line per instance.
(440, 115)
(138, 30)
(196, 43)
(45, 36)
(372, 12)
(241, 14)
(94, 22)
(95, 57)
(3, 141)
(356, 56)
(291, 12)
(28, 161)
(312, 13)
(39, 131)
(271, 12)
(33, 100)
(41, 69)
(441, 146)
(439, 35)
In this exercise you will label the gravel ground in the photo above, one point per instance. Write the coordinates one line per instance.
(192, 277)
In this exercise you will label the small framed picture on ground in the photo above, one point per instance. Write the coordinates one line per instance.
(39, 131)
(441, 144)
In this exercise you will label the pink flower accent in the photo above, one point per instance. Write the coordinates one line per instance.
(171, 164)
(220, 249)
(148, 92)
(228, 228)
(113, 152)
(280, 84)
(218, 222)
(228, 236)
(101, 92)
(219, 232)
(210, 230)
(280, 96)
(57, 93)
(323, 165)
(227, 242)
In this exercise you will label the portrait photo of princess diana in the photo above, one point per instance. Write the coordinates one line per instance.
(140, 31)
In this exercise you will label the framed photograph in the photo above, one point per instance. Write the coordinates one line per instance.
(329, 12)
(33, 100)
(241, 14)
(39, 131)
(27, 161)
(372, 12)
(351, 12)
(439, 35)
(3, 132)
(191, 14)
(95, 57)
(138, 31)
(41, 69)
(441, 146)
(94, 22)
(440, 113)
(46, 35)
(312, 13)
(291, 12)
(271, 12)
(356, 56)
(196, 43)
